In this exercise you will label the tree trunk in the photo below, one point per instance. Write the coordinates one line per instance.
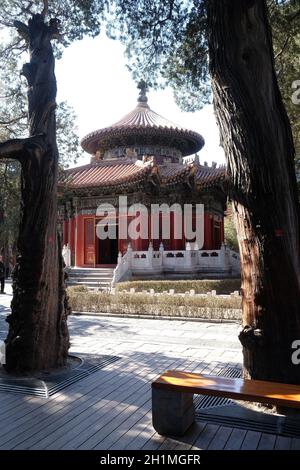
(38, 335)
(257, 139)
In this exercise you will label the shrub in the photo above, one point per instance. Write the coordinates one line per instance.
(141, 303)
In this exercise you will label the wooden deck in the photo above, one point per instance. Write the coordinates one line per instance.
(111, 409)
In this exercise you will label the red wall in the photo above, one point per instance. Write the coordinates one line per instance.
(207, 231)
(222, 230)
(77, 224)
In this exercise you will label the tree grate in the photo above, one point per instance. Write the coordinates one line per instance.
(226, 412)
(46, 385)
(237, 417)
(204, 401)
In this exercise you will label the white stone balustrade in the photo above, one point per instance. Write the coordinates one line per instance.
(123, 268)
(189, 260)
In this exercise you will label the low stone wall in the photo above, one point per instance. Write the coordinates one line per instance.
(196, 286)
(190, 293)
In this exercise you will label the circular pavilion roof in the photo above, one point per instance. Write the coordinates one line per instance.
(142, 126)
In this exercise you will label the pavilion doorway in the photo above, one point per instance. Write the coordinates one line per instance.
(107, 250)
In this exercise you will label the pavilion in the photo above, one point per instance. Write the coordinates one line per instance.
(146, 158)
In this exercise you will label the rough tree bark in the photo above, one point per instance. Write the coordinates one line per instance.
(38, 335)
(257, 139)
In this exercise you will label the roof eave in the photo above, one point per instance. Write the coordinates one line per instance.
(108, 138)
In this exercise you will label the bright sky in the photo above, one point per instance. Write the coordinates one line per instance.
(93, 78)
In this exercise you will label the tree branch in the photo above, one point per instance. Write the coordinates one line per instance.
(54, 28)
(22, 29)
(45, 9)
(13, 120)
(27, 9)
(16, 148)
(283, 47)
(17, 45)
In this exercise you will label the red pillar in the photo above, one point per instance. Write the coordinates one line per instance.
(222, 230)
(157, 241)
(122, 242)
(177, 243)
(208, 237)
(79, 240)
(122, 245)
(213, 241)
(141, 244)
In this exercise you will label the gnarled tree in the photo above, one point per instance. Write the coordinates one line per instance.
(185, 43)
(38, 334)
(257, 140)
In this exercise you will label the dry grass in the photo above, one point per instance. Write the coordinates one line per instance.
(139, 303)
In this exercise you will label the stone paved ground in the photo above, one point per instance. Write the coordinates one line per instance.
(111, 409)
(90, 331)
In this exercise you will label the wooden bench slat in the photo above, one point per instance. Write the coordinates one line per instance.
(239, 389)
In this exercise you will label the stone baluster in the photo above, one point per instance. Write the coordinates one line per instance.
(161, 254)
(188, 255)
(197, 253)
(224, 257)
(150, 255)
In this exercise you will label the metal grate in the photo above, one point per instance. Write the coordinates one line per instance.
(226, 412)
(47, 385)
(30, 386)
(204, 401)
(237, 417)
(84, 371)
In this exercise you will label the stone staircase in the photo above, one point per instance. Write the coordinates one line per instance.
(93, 279)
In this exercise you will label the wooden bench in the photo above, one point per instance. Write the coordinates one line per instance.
(172, 396)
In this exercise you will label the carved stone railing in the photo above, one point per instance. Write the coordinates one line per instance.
(123, 267)
(188, 260)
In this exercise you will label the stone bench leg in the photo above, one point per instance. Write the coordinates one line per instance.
(172, 412)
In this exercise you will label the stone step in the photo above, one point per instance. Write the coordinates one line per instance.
(105, 268)
(104, 277)
(92, 278)
(90, 284)
(86, 281)
(83, 283)
(98, 272)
